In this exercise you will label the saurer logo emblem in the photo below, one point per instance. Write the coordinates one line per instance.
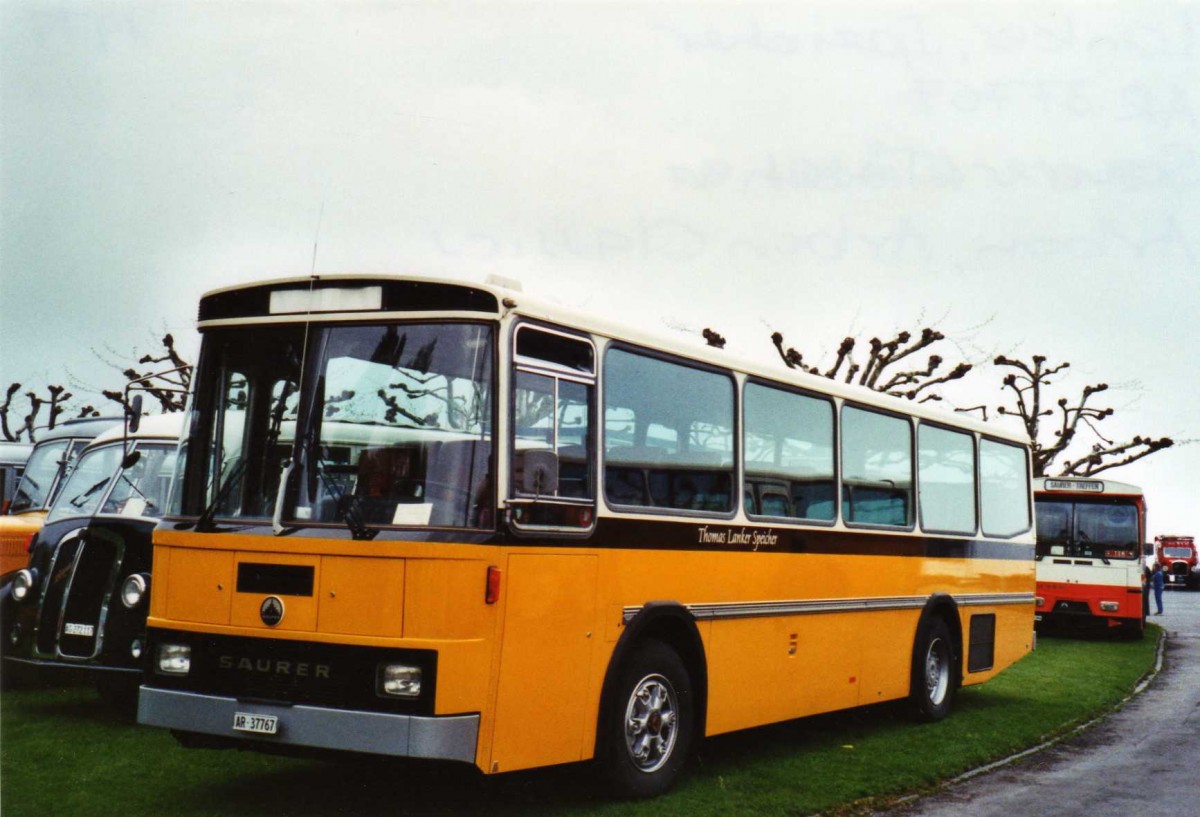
(271, 611)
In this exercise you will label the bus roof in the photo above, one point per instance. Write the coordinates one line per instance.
(220, 307)
(14, 453)
(83, 428)
(152, 427)
(1084, 485)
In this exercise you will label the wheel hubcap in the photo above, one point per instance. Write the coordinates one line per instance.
(937, 671)
(651, 723)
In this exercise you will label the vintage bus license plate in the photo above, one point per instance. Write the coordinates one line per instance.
(259, 724)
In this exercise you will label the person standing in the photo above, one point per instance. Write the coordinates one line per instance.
(1156, 581)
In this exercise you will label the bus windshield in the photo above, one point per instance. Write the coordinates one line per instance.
(1087, 530)
(141, 489)
(40, 472)
(394, 425)
(83, 490)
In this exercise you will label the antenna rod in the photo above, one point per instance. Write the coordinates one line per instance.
(317, 238)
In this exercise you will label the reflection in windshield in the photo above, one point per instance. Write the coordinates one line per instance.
(401, 427)
(1087, 529)
(85, 486)
(141, 490)
(40, 472)
(395, 424)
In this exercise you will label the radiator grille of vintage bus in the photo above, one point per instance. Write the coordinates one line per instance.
(86, 598)
(80, 581)
(62, 566)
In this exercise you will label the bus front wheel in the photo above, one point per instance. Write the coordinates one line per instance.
(933, 672)
(651, 722)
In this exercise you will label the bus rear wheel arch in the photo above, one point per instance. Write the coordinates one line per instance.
(935, 676)
(649, 721)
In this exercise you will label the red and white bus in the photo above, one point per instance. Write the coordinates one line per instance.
(1089, 570)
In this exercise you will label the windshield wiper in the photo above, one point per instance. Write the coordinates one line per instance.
(204, 523)
(78, 500)
(352, 513)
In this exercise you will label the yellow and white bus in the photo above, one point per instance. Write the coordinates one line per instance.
(442, 520)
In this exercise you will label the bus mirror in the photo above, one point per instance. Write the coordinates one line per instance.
(541, 473)
(131, 459)
(135, 413)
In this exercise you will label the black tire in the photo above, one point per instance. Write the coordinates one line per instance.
(934, 671)
(649, 722)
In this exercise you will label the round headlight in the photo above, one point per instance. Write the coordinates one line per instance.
(134, 590)
(23, 584)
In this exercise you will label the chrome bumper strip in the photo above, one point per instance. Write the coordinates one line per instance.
(442, 738)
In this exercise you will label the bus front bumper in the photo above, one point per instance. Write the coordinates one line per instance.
(437, 738)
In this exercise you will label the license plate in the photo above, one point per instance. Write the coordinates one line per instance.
(259, 724)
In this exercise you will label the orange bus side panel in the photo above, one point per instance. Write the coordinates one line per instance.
(14, 539)
(444, 598)
(550, 615)
(887, 638)
(763, 670)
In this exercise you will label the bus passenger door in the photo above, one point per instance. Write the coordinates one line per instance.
(546, 650)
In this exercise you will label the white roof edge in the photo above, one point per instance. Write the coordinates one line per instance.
(152, 427)
(531, 306)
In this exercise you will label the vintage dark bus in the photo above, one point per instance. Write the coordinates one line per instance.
(43, 475)
(80, 604)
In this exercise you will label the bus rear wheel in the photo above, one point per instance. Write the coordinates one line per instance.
(933, 672)
(650, 722)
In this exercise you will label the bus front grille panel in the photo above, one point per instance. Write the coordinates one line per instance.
(297, 672)
(1073, 608)
(61, 568)
(1179, 569)
(86, 598)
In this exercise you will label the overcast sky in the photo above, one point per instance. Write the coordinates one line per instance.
(1025, 176)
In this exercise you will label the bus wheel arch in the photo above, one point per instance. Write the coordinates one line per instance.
(658, 661)
(936, 672)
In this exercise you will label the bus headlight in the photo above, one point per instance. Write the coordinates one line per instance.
(134, 590)
(399, 680)
(23, 584)
(1039, 601)
(174, 659)
(1110, 606)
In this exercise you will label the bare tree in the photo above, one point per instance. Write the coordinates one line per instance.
(880, 370)
(169, 387)
(1028, 385)
(55, 402)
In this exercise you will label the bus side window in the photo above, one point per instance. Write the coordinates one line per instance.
(674, 423)
(876, 468)
(788, 445)
(1003, 488)
(553, 396)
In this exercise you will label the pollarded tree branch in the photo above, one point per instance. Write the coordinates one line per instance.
(876, 371)
(1028, 386)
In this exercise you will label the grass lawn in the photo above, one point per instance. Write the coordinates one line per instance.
(63, 752)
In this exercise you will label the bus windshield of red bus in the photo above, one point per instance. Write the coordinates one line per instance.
(1087, 530)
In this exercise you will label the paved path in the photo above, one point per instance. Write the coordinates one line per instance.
(1143, 761)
